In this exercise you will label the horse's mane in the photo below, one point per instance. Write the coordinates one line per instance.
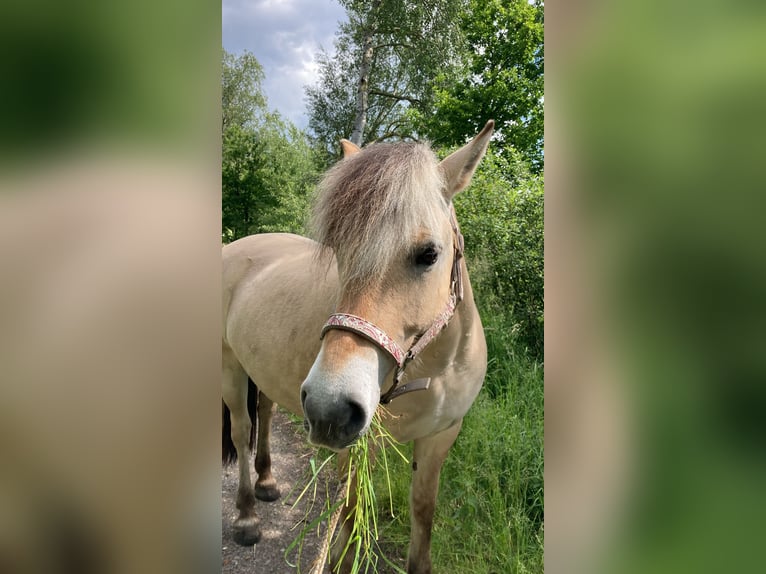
(370, 206)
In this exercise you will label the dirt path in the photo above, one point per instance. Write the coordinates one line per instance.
(280, 523)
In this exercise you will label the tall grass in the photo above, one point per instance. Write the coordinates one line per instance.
(365, 459)
(489, 517)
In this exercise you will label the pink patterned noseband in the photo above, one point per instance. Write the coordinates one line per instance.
(373, 333)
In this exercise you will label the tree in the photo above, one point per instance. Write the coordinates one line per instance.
(288, 174)
(244, 195)
(242, 98)
(386, 57)
(267, 166)
(330, 102)
(502, 77)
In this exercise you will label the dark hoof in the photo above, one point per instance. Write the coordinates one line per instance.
(246, 532)
(267, 493)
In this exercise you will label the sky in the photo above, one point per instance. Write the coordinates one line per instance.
(284, 36)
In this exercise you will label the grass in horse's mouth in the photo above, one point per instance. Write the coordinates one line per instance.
(362, 544)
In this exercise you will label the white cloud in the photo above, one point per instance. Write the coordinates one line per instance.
(285, 36)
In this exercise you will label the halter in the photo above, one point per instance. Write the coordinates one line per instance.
(375, 334)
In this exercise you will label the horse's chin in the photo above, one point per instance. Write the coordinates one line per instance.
(331, 438)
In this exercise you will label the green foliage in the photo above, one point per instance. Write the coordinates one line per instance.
(501, 78)
(267, 175)
(125, 75)
(368, 459)
(330, 103)
(268, 167)
(242, 98)
(501, 217)
(440, 70)
(244, 196)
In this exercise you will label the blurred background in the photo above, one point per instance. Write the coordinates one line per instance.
(109, 286)
(655, 286)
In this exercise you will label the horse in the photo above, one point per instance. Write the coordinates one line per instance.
(378, 308)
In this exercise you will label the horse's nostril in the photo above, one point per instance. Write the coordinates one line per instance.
(356, 415)
(303, 397)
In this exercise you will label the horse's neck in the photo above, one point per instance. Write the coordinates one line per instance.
(467, 310)
(457, 341)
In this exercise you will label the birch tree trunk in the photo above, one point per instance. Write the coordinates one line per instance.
(363, 86)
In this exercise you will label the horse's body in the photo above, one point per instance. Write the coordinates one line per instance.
(275, 303)
(278, 293)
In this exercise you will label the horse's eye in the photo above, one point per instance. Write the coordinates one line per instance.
(427, 256)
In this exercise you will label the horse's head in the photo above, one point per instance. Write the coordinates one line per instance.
(385, 212)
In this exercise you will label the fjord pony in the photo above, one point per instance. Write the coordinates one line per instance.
(388, 256)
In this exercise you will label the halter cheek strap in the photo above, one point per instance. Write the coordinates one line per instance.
(373, 333)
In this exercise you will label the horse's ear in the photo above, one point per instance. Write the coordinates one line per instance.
(458, 167)
(349, 148)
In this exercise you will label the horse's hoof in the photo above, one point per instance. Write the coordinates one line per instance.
(246, 532)
(267, 493)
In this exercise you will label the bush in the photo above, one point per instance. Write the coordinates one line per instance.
(501, 217)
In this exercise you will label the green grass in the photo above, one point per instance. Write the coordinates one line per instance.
(362, 549)
(489, 516)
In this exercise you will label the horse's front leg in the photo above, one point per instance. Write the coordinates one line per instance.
(428, 457)
(265, 486)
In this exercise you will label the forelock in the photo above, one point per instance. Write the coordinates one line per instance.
(370, 206)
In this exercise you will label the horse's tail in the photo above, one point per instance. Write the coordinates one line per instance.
(229, 451)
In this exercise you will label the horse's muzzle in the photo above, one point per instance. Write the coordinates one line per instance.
(334, 424)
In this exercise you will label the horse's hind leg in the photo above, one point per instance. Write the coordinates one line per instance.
(266, 486)
(428, 456)
(234, 391)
